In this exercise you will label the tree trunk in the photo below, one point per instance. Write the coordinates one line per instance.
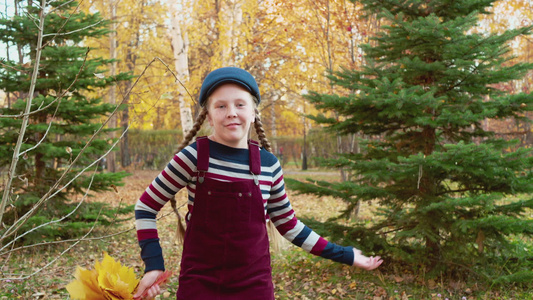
(124, 147)
(111, 165)
(273, 129)
(40, 163)
(427, 188)
(5, 97)
(232, 15)
(180, 47)
(304, 150)
(355, 148)
(39, 166)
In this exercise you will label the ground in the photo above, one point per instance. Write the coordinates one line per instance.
(296, 274)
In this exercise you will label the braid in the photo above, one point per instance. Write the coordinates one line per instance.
(186, 140)
(275, 236)
(180, 232)
(261, 132)
(195, 128)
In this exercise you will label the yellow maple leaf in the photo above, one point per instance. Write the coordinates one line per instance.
(85, 287)
(109, 280)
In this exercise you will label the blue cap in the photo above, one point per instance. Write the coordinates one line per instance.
(228, 75)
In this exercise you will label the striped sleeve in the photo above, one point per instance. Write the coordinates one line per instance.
(280, 212)
(174, 177)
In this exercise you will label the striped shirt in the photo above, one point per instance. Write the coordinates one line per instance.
(226, 164)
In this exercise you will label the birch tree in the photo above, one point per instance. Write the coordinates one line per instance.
(231, 17)
(180, 46)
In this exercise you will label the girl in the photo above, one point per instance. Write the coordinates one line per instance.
(234, 186)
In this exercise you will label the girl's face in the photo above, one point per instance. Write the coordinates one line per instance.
(231, 111)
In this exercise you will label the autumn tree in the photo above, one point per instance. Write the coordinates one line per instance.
(441, 180)
(139, 35)
(57, 138)
(512, 14)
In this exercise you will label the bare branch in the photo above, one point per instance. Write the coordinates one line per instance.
(25, 119)
(84, 238)
(58, 220)
(42, 6)
(34, 20)
(21, 221)
(64, 23)
(11, 67)
(6, 260)
(63, 4)
(44, 135)
(59, 256)
(73, 31)
(176, 77)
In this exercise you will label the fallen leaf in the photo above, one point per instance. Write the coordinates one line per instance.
(38, 295)
(432, 284)
(404, 296)
(398, 279)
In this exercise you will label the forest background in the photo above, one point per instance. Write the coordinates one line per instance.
(288, 46)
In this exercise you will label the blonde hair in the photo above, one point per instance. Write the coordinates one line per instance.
(260, 131)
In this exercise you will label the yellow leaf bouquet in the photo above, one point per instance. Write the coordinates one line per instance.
(109, 280)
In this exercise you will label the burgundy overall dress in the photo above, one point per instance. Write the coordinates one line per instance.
(226, 250)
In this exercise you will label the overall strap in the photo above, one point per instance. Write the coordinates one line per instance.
(255, 160)
(202, 157)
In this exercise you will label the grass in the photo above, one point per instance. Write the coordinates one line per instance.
(296, 274)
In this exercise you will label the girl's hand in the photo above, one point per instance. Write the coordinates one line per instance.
(146, 288)
(363, 262)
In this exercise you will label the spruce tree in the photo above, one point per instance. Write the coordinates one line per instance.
(441, 180)
(64, 126)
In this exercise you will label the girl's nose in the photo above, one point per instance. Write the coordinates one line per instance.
(232, 112)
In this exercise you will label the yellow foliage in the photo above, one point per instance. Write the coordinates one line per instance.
(85, 286)
(109, 280)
